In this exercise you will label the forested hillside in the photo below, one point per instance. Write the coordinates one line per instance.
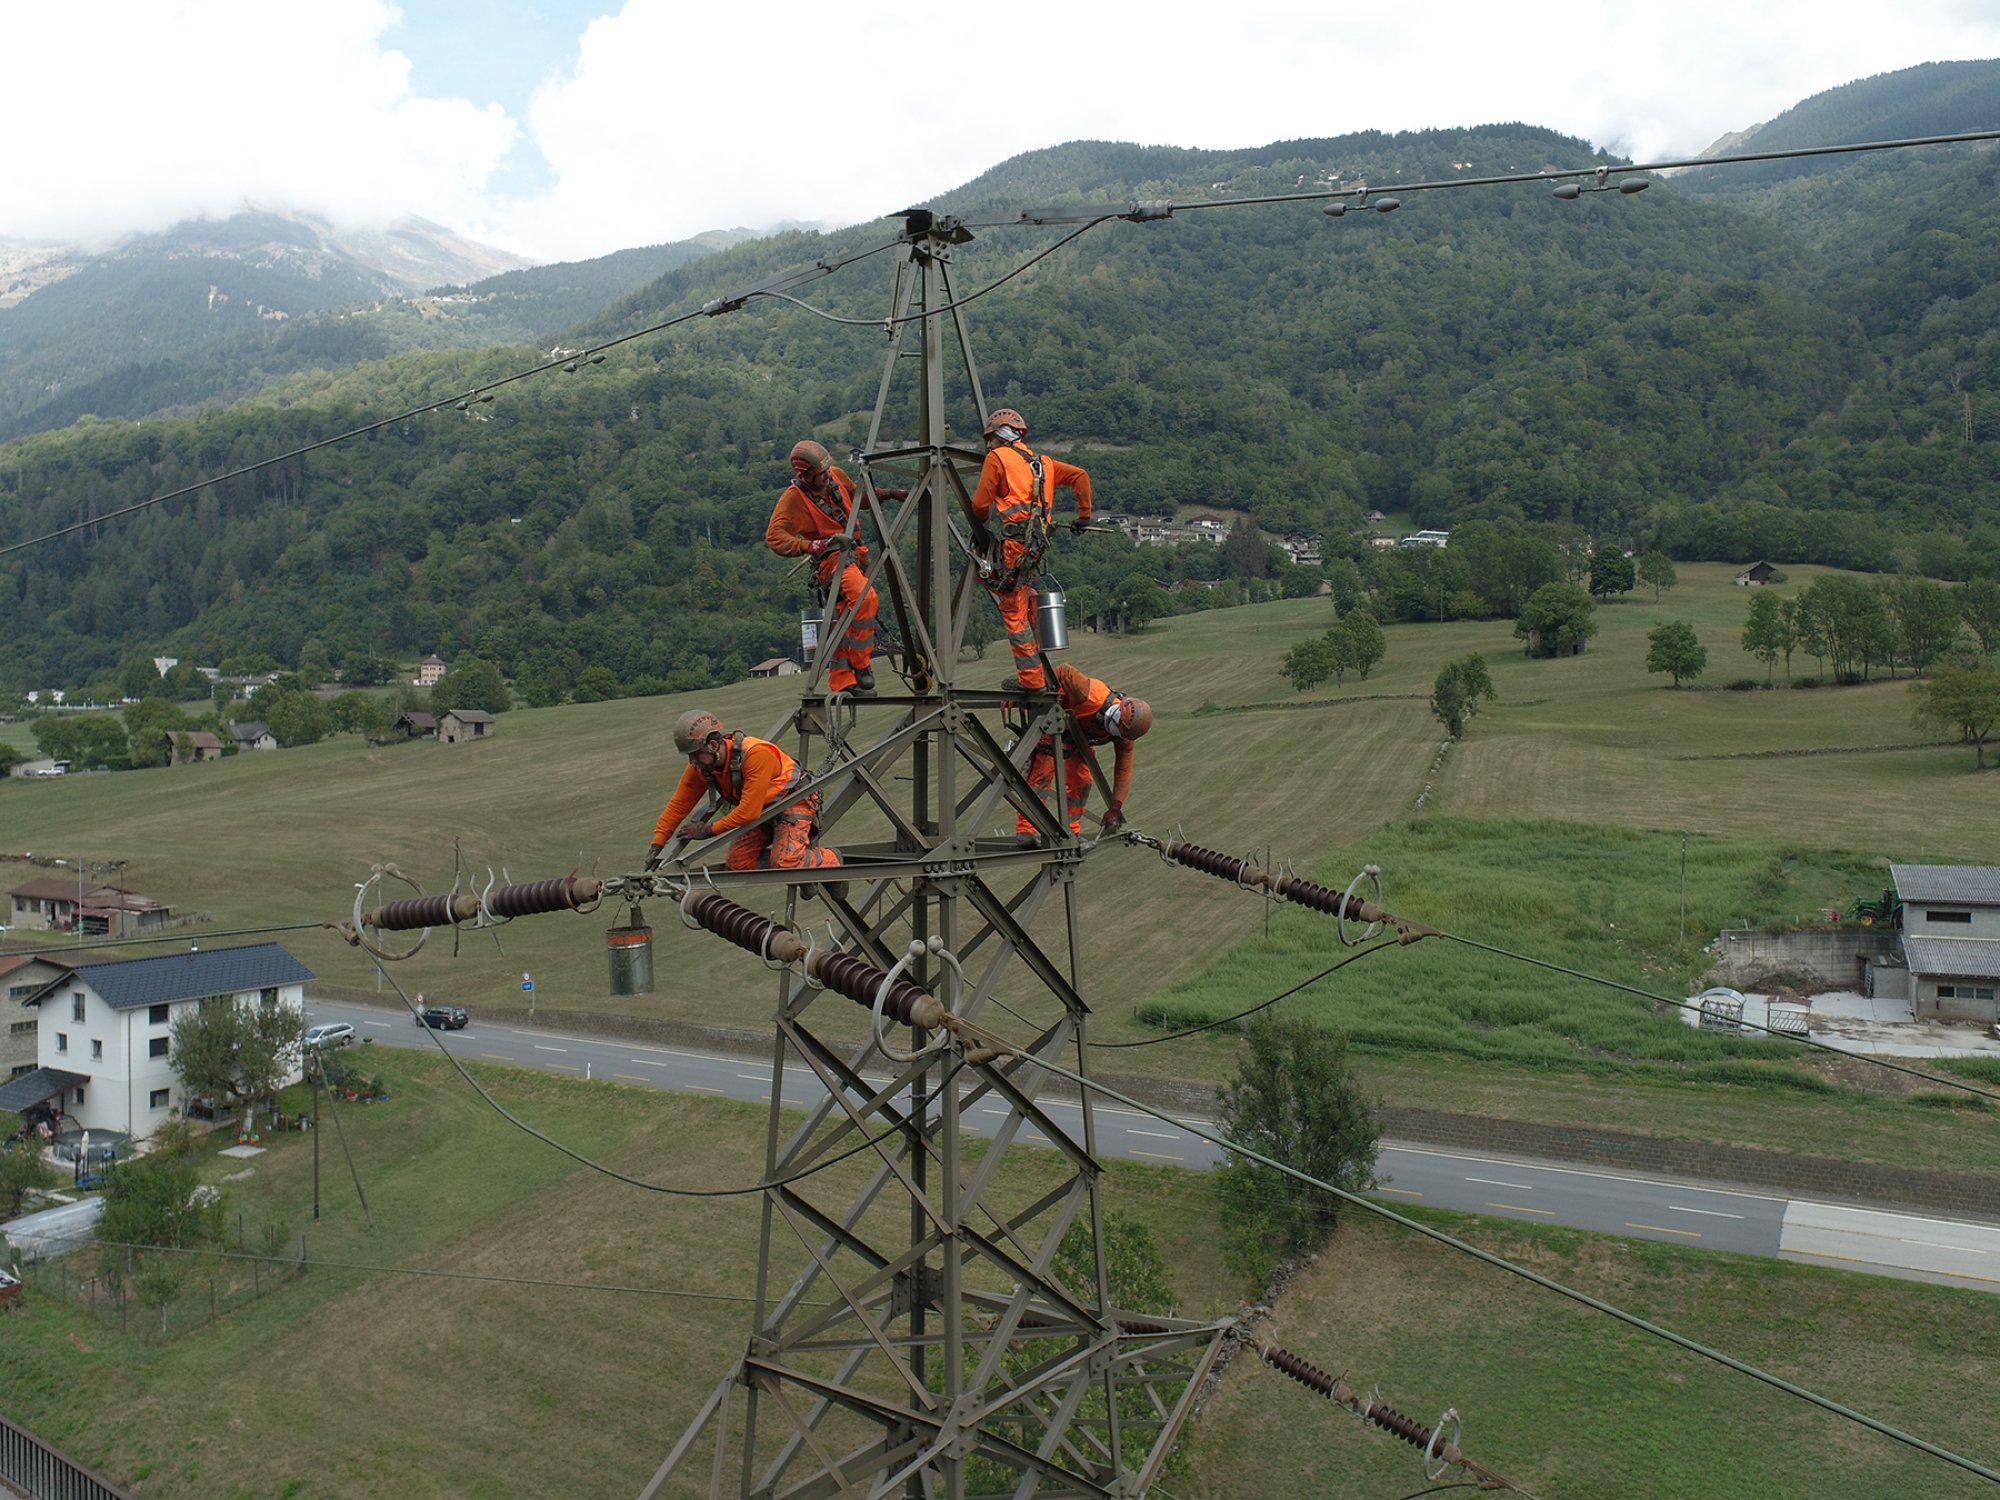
(1650, 370)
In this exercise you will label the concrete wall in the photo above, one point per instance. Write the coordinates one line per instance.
(1826, 958)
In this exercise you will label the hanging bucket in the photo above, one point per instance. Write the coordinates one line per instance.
(1051, 621)
(629, 951)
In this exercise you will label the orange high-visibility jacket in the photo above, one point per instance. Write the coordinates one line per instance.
(751, 773)
(1086, 697)
(798, 520)
(1007, 484)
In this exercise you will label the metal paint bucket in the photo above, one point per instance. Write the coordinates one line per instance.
(1051, 622)
(629, 951)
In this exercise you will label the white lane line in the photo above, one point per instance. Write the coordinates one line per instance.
(1934, 1245)
(647, 1062)
(1158, 1135)
(1526, 1187)
(1713, 1213)
(755, 1077)
(383, 1024)
(543, 1047)
(1679, 1187)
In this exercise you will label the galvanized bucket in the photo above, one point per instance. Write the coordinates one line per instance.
(629, 951)
(1051, 620)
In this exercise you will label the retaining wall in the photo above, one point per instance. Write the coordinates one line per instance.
(1826, 957)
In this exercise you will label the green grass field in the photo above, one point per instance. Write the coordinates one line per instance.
(394, 1382)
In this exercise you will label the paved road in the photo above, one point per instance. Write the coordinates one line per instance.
(1685, 1213)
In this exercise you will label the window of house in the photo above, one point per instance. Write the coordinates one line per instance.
(157, 1047)
(76, 1007)
(158, 1098)
(1967, 991)
(269, 996)
(79, 1096)
(62, 1041)
(1964, 917)
(96, 1050)
(21, 1028)
(156, 1015)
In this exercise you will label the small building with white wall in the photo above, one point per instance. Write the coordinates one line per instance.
(1951, 939)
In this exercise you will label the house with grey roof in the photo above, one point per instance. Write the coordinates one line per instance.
(461, 724)
(105, 1039)
(1951, 939)
(252, 734)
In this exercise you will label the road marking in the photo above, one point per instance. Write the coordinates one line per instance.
(541, 1047)
(1662, 1229)
(1956, 1249)
(1155, 1155)
(754, 1077)
(497, 1056)
(1862, 1260)
(1041, 1139)
(632, 1077)
(1526, 1187)
(704, 1088)
(1679, 1187)
(565, 1067)
(1517, 1208)
(1399, 1192)
(794, 1104)
(1713, 1213)
(383, 1024)
(647, 1062)
(1158, 1135)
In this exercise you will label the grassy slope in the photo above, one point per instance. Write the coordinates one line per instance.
(525, 1376)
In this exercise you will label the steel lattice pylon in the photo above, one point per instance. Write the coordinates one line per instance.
(915, 1331)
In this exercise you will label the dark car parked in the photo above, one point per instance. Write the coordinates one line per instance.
(442, 1016)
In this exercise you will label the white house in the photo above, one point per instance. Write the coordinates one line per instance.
(105, 1037)
(1951, 938)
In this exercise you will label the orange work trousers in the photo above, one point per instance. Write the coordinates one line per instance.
(784, 843)
(1076, 784)
(857, 647)
(1017, 617)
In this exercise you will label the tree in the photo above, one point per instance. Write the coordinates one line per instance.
(1979, 606)
(1243, 552)
(1926, 615)
(1674, 649)
(597, 684)
(1364, 634)
(471, 682)
(1657, 569)
(315, 667)
(24, 1168)
(1792, 624)
(296, 717)
(1557, 619)
(82, 739)
(1611, 572)
(147, 724)
(1139, 600)
(227, 1050)
(1308, 664)
(155, 1200)
(1458, 691)
(360, 713)
(359, 669)
(1296, 1100)
(1962, 697)
(1764, 633)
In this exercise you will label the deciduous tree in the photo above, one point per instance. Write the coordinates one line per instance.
(1961, 696)
(1296, 1100)
(1657, 569)
(1611, 572)
(1458, 691)
(1674, 649)
(1764, 632)
(1364, 636)
(226, 1049)
(1558, 618)
(1308, 664)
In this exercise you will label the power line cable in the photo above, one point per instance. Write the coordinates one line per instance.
(1154, 1041)
(183, 936)
(866, 1142)
(1499, 1262)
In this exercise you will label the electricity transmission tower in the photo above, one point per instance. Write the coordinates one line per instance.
(915, 1331)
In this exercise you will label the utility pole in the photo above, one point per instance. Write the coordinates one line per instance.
(907, 1305)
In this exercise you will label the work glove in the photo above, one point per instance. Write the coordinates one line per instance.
(1114, 817)
(1080, 525)
(893, 494)
(695, 828)
(653, 856)
(819, 546)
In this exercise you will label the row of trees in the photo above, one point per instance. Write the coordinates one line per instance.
(1354, 644)
(1858, 625)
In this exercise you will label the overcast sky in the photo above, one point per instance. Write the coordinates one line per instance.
(567, 128)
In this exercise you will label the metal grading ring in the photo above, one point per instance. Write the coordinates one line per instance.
(1438, 1443)
(687, 921)
(1368, 872)
(915, 951)
(375, 878)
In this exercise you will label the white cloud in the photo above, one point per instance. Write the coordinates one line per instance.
(670, 117)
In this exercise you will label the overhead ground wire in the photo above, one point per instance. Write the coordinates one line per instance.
(184, 935)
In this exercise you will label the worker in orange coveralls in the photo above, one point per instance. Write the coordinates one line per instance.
(748, 775)
(814, 518)
(1012, 508)
(1105, 718)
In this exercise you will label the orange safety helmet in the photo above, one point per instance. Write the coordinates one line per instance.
(1006, 416)
(816, 456)
(1135, 717)
(693, 729)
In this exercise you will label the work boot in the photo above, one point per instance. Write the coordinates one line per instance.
(864, 682)
(1027, 841)
(1013, 685)
(837, 889)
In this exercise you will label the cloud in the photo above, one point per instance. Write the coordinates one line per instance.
(141, 113)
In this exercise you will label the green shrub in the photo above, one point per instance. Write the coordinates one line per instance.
(1806, 682)
(1742, 685)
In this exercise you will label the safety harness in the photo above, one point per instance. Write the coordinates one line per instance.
(725, 779)
(1027, 524)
